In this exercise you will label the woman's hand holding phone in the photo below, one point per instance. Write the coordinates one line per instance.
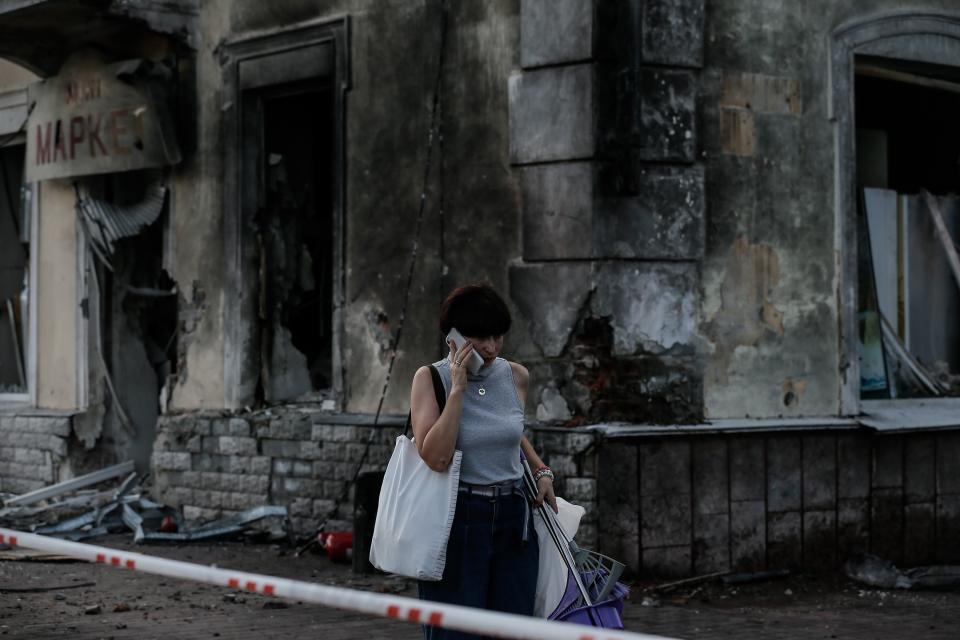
(458, 368)
(472, 360)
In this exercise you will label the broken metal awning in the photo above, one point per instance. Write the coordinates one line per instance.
(107, 222)
(41, 34)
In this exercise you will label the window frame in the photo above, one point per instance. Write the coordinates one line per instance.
(29, 346)
(917, 36)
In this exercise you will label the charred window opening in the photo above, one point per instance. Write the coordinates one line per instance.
(294, 227)
(14, 271)
(908, 174)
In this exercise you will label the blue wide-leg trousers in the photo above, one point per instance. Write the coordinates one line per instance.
(489, 564)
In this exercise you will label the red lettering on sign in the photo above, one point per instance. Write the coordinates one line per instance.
(393, 611)
(435, 619)
(76, 134)
(82, 90)
(413, 615)
(93, 133)
(118, 131)
(59, 150)
(233, 583)
(43, 143)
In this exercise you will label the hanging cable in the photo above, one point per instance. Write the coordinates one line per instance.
(442, 200)
(431, 136)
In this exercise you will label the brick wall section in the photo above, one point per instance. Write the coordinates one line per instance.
(572, 456)
(211, 465)
(31, 450)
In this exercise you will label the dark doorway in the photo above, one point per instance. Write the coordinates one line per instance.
(294, 227)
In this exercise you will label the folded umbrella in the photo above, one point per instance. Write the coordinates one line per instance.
(589, 591)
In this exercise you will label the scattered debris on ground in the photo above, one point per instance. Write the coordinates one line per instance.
(876, 572)
(75, 510)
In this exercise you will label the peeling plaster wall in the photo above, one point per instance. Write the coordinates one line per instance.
(393, 54)
(603, 139)
(195, 241)
(480, 223)
(769, 307)
(689, 203)
(770, 317)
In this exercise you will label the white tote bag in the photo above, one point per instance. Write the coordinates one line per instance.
(414, 514)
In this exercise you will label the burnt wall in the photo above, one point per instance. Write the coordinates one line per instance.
(393, 49)
(603, 139)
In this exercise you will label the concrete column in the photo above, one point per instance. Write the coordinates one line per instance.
(59, 319)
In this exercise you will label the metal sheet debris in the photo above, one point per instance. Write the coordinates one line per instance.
(91, 514)
(877, 572)
(219, 528)
(71, 485)
(107, 223)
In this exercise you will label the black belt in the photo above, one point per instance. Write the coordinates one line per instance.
(492, 490)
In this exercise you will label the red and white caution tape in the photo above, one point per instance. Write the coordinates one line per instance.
(504, 625)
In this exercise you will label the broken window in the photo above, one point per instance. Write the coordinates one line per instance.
(294, 240)
(135, 314)
(14, 271)
(908, 178)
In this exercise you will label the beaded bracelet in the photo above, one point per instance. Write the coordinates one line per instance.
(542, 472)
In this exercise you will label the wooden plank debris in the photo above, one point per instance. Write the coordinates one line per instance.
(934, 208)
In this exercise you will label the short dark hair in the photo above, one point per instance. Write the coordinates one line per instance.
(476, 310)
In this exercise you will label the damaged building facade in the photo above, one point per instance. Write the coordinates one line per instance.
(710, 219)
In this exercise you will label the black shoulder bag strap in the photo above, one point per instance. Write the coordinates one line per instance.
(438, 391)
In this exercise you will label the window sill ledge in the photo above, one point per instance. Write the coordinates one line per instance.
(910, 414)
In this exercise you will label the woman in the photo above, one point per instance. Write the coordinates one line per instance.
(492, 554)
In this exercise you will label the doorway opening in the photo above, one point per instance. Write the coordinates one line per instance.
(295, 241)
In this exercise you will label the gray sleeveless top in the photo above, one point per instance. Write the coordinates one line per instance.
(491, 424)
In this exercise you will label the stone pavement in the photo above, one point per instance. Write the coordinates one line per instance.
(123, 604)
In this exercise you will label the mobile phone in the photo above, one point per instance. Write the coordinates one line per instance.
(474, 361)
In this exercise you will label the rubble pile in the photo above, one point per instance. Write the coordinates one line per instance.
(86, 507)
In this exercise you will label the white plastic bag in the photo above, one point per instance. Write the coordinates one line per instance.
(552, 577)
(414, 514)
